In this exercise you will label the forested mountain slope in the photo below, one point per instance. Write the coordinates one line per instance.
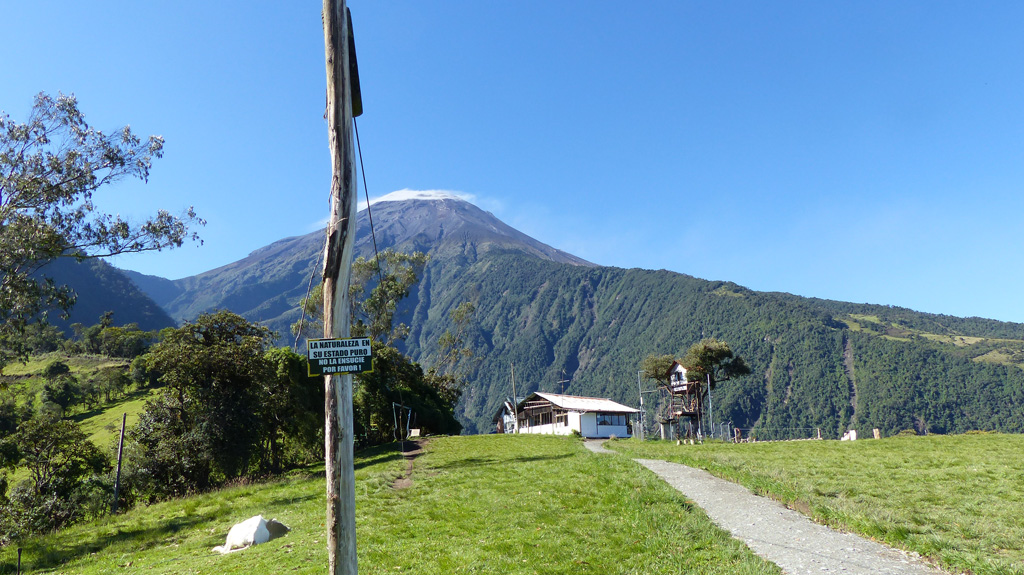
(100, 288)
(816, 363)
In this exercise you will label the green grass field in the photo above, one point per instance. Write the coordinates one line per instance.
(103, 424)
(477, 504)
(79, 364)
(956, 499)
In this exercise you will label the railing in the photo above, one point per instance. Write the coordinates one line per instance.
(775, 434)
(726, 432)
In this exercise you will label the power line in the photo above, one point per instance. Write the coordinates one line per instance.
(366, 194)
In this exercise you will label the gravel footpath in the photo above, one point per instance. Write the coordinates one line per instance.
(778, 534)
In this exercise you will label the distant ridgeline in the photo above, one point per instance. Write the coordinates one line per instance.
(100, 288)
(816, 363)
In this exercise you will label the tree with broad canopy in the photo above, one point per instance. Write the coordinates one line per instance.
(50, 167)
(711, 360)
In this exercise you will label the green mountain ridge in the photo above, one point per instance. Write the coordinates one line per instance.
(100, 287)
(816, 363)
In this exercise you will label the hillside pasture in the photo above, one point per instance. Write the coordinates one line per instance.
(477, 504)
(103, 424)
(957, 500)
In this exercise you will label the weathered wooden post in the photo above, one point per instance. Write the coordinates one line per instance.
(120, 452)
(515, 400)
(341, 232)
(711, 420)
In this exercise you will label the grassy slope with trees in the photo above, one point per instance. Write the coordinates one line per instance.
(474, 505)
(213, 403)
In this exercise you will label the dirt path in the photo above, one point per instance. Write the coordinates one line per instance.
(410, 451)
(780, 535)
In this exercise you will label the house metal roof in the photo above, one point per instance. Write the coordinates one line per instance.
(584, 404)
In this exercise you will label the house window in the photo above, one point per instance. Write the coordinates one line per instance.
(611, 419)
(545, 418)
(562, 419)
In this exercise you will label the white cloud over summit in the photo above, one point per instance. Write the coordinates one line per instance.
(407, 194)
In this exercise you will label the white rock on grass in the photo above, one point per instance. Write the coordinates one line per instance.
(252, 531)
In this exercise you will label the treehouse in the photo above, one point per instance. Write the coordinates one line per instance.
(686, 399)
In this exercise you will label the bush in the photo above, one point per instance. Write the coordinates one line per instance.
(208, 425)
(66, 479)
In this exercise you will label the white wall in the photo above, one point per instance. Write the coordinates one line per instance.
(588, 425)
(549, 429)
(585, 423)
(574, 421)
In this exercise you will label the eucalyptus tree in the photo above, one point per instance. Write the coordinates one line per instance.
(709, 362)
(377, 285)
(50, 168)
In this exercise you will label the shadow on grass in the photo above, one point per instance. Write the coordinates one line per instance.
(482, 461)
(363, 458)
(296, 499)
(131, 396)
(377, 455)
(42, 553)
(39, 555)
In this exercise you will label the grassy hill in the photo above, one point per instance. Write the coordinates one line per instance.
(541, 504)
(484, 504)
(957, 500)
(101, 423)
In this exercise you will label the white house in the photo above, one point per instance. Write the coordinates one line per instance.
(556, 414)
(505, 420)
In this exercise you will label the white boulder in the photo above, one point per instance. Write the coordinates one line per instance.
(252, 531)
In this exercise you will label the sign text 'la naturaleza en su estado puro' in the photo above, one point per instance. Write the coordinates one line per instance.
(330, 356)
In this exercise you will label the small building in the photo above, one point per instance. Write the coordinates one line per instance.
(677, 382)
(686, 398)
(505, 419)
(556, 414)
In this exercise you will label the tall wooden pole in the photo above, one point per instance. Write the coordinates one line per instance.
(711, 419)
(515, 400)
(120, 452)
(341, 232)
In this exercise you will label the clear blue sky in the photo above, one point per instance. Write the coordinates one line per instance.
(859, 151)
